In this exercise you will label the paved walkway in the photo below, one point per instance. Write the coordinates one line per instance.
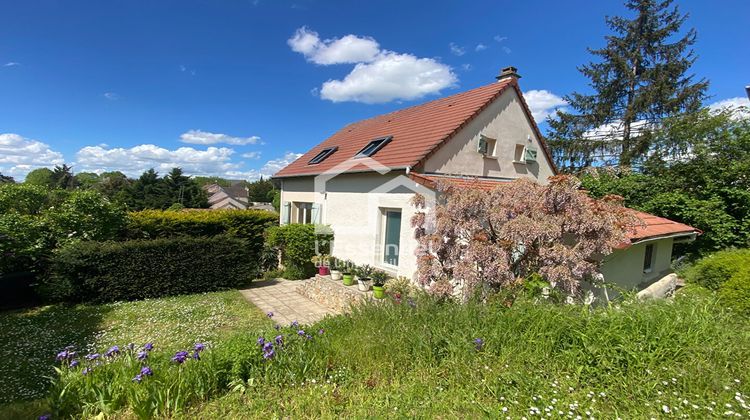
(280, 297)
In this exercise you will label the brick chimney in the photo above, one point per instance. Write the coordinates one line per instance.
(509, 72)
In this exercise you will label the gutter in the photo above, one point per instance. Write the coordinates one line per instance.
(353, 171)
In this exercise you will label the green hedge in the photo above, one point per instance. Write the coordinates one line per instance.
(91, 271)
(297, 244)
(714, 270)
(735, 292)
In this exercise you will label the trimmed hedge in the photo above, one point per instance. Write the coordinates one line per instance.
(91, 271)
(247, 224)
(714, 270)
(297, 244)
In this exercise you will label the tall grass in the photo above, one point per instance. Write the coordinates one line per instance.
(420, 358)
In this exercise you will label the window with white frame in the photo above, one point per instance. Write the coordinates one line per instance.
(304, 212)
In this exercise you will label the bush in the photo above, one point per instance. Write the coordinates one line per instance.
(297, 244)
(735, 292)
(24, 240)
(86, 215)
(714, 270)
(108, 271)
(23, 198)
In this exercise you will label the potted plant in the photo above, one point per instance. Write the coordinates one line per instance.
(379, 278)
(363, 277)
(322, 262)
(347, 273)
(336, 269)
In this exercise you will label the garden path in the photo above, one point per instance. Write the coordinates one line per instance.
(281, 297)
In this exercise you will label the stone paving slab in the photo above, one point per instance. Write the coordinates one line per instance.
(281, 297)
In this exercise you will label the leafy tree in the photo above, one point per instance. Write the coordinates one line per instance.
(86, 180)
(114, 185)
(698, 174)
(641, 77)
(206, 180)
(41, 177)
(5, 179)
(63, 178)
(258, 191)
(184, 190)
(498, 238)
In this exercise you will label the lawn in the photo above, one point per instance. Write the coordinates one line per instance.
(32, 337)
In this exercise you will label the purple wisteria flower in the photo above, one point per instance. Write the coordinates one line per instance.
(478, 343)
(261, 341)
(148, 346)
(199, 347)
(301, 333)
(138, 378)
(92, 356)
(146, 371)
(113, 351)
(74, 363)
(279, 339)
(269, 314)
(142, 355)
(180, 357)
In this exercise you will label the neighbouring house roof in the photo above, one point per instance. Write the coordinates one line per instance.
(653, 226)
(234, 196)
(416, 132)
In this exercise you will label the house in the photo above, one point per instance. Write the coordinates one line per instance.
(361, 179)
(234, 196)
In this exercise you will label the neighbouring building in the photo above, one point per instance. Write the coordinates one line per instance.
(234, 196)
(360, 181)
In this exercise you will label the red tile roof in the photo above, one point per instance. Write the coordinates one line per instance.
(653, 226)
(417, 132)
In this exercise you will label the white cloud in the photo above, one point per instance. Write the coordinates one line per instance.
(466, 67)
(506, 50)
(11, 64)
(379, 75)
(19, 155)
(391, 76)
(733, 103)
(456, 49)
(267, 170)
(111, 96)
(480, 47)
(185, 69)
(205, 137)
(543, 103)
(251, 155)
(348, 49)
(499, 38)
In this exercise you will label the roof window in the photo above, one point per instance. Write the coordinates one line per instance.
(322, 155)
(373, 146)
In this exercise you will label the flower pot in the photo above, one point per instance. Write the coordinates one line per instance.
(323, 270)
(363, 284)
(348, 279)
(378, 292)
(336, 275)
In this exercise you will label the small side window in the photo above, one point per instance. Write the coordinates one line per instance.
(486, 146)
(519, 154)
(648, 258)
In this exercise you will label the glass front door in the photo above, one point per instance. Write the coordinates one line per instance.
(392, 236)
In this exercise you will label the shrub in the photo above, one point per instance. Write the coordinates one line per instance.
(24, 240)
(138, 269)
(23, 198)
(735, 292)
(297, 244)
(86, 215)
(714, 270)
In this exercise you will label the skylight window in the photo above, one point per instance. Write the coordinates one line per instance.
(373, 147)
(322, 155)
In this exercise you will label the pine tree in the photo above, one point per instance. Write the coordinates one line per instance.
(640, 79)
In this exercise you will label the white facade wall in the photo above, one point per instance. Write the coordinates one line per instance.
(354, 212)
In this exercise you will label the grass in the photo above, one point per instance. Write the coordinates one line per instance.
(387, 359)
(32, 337)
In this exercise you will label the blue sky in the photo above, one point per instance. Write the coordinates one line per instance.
(236, 88)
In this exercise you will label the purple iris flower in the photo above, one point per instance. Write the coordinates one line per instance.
(321, 331)
(92, 356)
(268, 347)
(308, 336)
(199, 347)
(301, 333)
(146, 371)
(85, 371)
(142, 355)
(270, 314)
(138, 378)
(196, 355)
(295, 324)
(261, 341)
(279, 339)
(45, 417)
(63, 355)
(148, 346)
(478, 343)
(74, 363)
(269, 354)
(113, 351)
(180, 357)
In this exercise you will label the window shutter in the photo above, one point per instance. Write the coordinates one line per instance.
(316, 219)
(482, 148)
(286, 212)
(530, 155)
